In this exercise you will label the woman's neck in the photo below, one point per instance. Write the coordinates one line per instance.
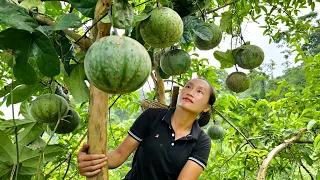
(182, 120)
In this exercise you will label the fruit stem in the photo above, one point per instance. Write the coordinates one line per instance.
(15, 133)
(42, 151)
(236, 67)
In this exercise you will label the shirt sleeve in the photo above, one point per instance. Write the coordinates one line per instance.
(200, 153)
(141, 127)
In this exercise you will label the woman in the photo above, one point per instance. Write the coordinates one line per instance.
(169, 143)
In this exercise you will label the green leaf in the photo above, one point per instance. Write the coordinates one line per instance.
(8, 126)
(16, 40)
(311, 124)
(226, 59)
(68, 21)
(203, 32)
(29, 157)
(25, 110)
(22, 93)
(317, 141)
(30, 133)
(14, 16)
(318, 175)
(47, 58)
(289, 132)
(21, 42)
(53, 8)
(33, 4)
(307, 159)
(226, 22)
(189, 23)
(7, 149)
(122, 14)
(140, 17)
(24, 72)
(86, 7)
(77, 87)
(4, 170)
(7, 89)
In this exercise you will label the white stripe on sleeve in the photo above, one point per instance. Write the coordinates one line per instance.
(197, 161)
(134, 136)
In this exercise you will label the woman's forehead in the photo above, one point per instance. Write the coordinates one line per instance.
(199, 82)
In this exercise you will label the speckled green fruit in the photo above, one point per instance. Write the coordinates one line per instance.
(238, 82)
(162, 29)
(215, 132)
(117, 65)
(175, 62)
(48, 108)
(249, 56)
(212, 43)
(67, 124)
(162, 74)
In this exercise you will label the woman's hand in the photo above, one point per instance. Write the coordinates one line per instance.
(90, 164)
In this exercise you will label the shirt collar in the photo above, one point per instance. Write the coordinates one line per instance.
(195, 131)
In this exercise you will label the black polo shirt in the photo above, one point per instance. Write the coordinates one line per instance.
(159, 156)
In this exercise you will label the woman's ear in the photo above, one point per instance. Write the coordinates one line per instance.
(207, 108)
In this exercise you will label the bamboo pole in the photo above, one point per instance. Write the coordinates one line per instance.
(98, 105)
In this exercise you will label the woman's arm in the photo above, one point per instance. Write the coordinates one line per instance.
(90, 164)
(121, 154)
(190, 171)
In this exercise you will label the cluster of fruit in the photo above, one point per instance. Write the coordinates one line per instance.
(50, 108)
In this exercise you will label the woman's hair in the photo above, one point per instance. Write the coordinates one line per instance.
(205, 116)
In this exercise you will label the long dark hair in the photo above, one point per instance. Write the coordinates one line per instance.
(204, 117)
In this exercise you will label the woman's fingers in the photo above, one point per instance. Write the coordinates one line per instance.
(92, 168)
(90, 174)
(84, 164)
(90, 157)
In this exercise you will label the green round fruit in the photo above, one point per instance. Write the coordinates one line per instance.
(249, 56)
(175, 62)
(67, 124)
(212, 43)
(238, 82)
(162, 29)
(48, 108)
(215, 132)
(117, 65)
(162, 74)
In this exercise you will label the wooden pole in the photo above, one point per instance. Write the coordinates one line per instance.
(98, 105)
(174, 99)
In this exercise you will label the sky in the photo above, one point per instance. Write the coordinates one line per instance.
(252, 33)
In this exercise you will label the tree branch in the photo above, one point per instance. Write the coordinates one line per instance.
(84, 43)
(220, 7)
(94, 24)
(169, 80)
(263, 168)
(237, 129)
(233, 155)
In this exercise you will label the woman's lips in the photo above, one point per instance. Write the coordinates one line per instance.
(187, 99)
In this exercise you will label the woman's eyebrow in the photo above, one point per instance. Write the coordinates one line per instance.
(200, 87)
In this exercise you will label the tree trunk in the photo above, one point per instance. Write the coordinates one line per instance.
(98, 106)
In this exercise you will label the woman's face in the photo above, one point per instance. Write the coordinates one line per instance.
(194, 96)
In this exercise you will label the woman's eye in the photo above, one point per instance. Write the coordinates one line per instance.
(199, 91)
(187, 86)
